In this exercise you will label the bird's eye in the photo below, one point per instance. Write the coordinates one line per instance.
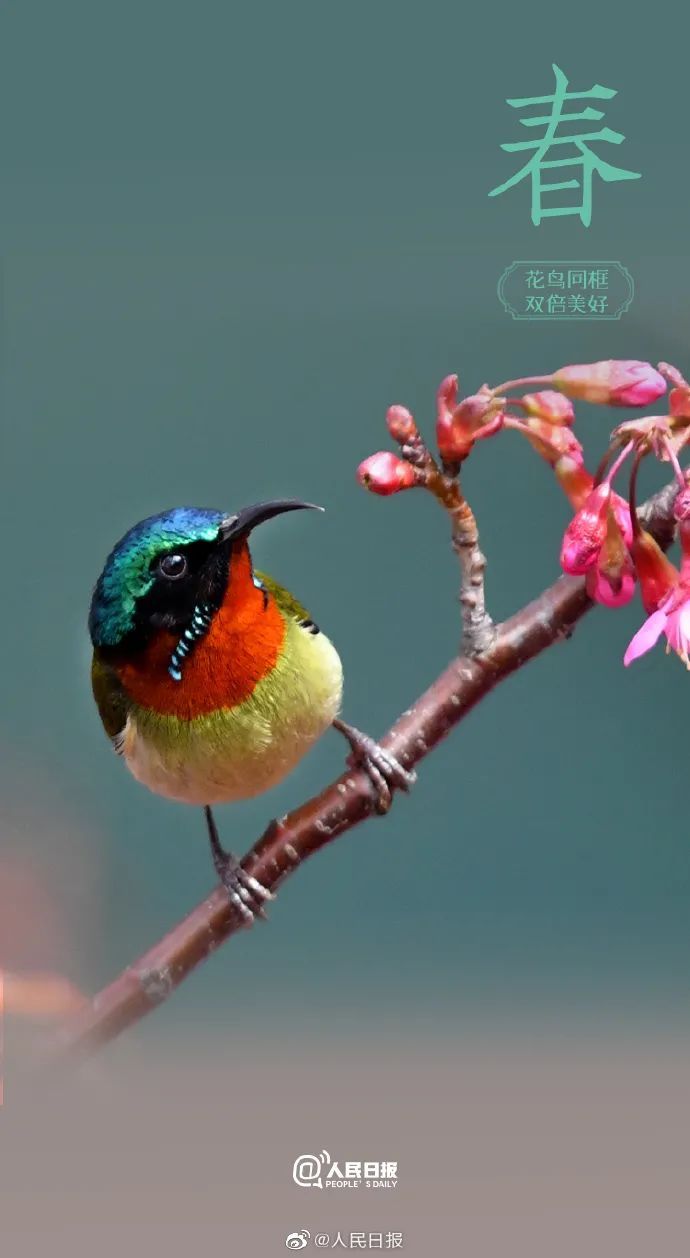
(173, 566)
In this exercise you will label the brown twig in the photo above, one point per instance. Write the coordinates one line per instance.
(478, 629)
(346, 802)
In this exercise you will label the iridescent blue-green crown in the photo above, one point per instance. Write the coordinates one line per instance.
(127, 576)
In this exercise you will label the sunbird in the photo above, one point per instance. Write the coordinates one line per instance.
(210, 679)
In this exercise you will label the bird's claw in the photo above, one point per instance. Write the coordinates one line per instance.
(384, 771)
(246, 894)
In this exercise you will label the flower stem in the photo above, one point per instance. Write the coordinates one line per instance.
(611, 475)
(632, 492)
(673, 460)
(521, 382)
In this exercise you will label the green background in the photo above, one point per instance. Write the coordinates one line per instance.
(231, 236)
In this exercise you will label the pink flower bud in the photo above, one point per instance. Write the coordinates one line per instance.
(471, 412)
(615, 382)
(459, 426)
(656, 574)
(384, 473)
(550, 406)
(587, 531)
(401, 425)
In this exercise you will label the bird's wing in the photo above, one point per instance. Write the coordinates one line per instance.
(111, 699)
(287, 603)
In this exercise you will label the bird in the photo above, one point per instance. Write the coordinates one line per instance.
(211, 680)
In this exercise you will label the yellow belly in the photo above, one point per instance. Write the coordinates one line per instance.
(239, 752)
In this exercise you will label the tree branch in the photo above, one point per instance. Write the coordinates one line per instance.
(346, 802)
(478, 629)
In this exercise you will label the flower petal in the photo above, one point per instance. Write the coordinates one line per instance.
(646, 637)
(684, 623)
(602, 589)
(678, 629)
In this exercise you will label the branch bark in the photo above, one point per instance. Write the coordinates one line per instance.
(477, 626)
(345, 803)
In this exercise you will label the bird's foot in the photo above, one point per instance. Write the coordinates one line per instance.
(246, 894)
(383, 770)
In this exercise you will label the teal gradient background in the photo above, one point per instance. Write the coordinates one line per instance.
(231, 236)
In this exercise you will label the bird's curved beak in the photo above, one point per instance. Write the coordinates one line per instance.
(247, 519)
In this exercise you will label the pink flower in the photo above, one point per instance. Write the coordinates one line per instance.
(384, 473)
(650, 431)
(602, 513)
(550, 406)
(615, 382)
(612, 579)
(673, 619)
(458, 426)
(612, 590)
(665, 594)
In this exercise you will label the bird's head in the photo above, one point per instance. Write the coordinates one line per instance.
(171, 572)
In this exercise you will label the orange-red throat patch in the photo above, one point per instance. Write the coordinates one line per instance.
(242, 645)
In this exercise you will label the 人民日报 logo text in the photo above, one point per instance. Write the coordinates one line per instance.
(320, 1170)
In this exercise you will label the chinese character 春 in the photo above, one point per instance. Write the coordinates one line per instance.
(585, 161)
